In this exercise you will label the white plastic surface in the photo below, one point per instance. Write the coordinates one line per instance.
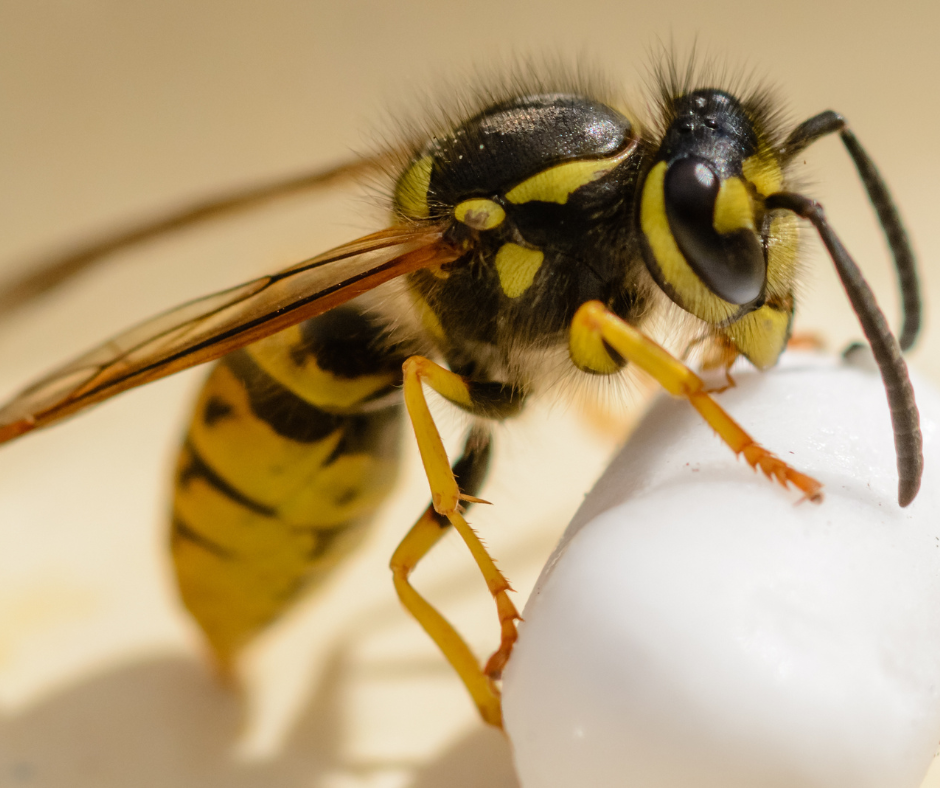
(699, 626)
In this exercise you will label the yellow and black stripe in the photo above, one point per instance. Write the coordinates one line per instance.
(293, 445)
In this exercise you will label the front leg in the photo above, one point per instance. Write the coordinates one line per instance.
(595, 329)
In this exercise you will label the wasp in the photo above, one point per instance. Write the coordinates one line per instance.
(542, 234)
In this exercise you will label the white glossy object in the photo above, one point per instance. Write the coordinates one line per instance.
(699, 626)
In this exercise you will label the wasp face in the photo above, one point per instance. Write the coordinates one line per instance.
(698, 212)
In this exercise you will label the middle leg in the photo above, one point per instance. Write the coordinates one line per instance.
(450, 487)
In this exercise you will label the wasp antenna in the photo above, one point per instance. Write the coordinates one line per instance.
(908, 441)
(830, 122)
(898, 241)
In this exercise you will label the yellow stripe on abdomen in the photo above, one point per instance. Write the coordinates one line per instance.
(272, 490)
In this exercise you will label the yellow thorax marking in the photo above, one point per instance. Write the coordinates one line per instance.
(517, 267)
(428, 317)
(480, 214)
(558, 183)
(763, 170)
(411, 191)
(694, 295)
(733, 209)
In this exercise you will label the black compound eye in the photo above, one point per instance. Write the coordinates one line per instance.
(691, 188)
(732, 264)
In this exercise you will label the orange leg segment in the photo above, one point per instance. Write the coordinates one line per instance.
(594, 325)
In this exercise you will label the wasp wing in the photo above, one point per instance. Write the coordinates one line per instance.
(210, 327)
(48, 273)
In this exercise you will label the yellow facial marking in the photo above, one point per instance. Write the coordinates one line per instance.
(782, 248)
(480, 214)
(761, 335)
(694, 295)
(558, 183)
(763, 170)
(517, 267)
(411, 191)
(733, 209)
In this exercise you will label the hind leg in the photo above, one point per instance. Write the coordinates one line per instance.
(469, 471)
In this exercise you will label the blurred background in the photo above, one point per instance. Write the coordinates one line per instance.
(112, 111)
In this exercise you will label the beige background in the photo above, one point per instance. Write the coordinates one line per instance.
(111, 110)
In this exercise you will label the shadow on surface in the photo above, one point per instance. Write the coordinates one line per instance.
(164, 722)
(481, 758)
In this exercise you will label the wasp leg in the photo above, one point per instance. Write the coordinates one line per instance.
(469, 470)
(807, 340)
(721, 355)
(488, 399)
(594, 327)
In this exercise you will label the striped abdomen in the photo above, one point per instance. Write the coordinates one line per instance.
(292, 447)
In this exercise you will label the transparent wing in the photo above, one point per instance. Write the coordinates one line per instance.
(44, 274)
(210, 327)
